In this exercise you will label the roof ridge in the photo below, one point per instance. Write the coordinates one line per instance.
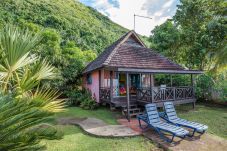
(132, 32)
(106, 62)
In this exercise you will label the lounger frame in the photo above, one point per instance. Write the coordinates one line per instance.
(144, 118)
(165, 117)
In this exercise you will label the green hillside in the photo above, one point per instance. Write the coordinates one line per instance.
(72, 21)
(73, 34)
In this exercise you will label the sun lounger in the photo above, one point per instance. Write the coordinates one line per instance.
(152, 119)
(171, 116)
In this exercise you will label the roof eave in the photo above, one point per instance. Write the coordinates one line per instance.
(169, 71)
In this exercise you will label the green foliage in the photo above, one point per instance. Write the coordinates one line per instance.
(196, 38)
(177, 80)
(165, 39)
(74, 62)
(86, 100)
(73, 34)
(83, 98)
(23, 125)
(203, 85)
(208, 88)
(74, 97)
(25, 103)
(71, 19)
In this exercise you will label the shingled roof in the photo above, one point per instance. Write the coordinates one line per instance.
(130, 52)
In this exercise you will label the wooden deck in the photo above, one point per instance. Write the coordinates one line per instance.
(157, 95)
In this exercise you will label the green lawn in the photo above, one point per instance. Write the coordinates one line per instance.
(212, 115)
(102, 113)
(76, 140)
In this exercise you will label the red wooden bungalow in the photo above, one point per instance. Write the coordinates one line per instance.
(123, 76)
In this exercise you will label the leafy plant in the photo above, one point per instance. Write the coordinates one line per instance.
(208, 88)
(30, 104)
(83, 98)
(23, 124)
(74, 96)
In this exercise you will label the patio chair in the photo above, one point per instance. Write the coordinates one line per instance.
(171, 116)
(152, 119)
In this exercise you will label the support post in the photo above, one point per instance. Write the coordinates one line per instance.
(140, 80)
(128, 99)
(171, 80)
(151, 97)
(111, 88)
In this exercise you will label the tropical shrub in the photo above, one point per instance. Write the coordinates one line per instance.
(24, 102)
(83, 98)
(210, 89)
(74, 96)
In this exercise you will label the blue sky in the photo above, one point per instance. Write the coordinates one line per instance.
(122, 11)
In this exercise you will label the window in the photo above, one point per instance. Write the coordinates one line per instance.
(89, 79)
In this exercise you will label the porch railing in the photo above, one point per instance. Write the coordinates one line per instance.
(104, 94)
(159, 94)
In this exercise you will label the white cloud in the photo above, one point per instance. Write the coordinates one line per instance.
(122, 11)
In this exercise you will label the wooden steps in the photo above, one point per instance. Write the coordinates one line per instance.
(133, 110)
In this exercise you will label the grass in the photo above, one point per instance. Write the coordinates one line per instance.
(101, 113)
(76, 140)
(212, 115)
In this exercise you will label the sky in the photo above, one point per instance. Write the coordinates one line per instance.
(122, 12)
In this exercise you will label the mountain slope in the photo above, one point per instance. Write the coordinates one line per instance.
(71, 19)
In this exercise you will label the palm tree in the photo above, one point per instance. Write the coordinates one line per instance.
(24, 103)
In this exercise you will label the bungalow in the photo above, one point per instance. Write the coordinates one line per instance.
(123, 76)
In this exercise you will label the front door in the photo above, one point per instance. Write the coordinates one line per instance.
(134, 83)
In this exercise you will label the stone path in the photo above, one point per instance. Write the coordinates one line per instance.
(99, 128)
(203, 142)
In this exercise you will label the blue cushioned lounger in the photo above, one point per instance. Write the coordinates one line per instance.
(152, 119)
(171, 116)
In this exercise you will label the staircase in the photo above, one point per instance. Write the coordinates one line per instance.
(133, 110)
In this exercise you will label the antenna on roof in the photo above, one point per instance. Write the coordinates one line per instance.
(141, 17)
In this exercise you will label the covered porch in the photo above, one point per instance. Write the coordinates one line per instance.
(129, 87)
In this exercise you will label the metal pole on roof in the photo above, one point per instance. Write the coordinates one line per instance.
(141, 17)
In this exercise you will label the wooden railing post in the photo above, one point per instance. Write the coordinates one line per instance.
(174, 94)
(151, 95)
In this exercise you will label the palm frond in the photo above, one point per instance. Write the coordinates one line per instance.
(48, 100)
